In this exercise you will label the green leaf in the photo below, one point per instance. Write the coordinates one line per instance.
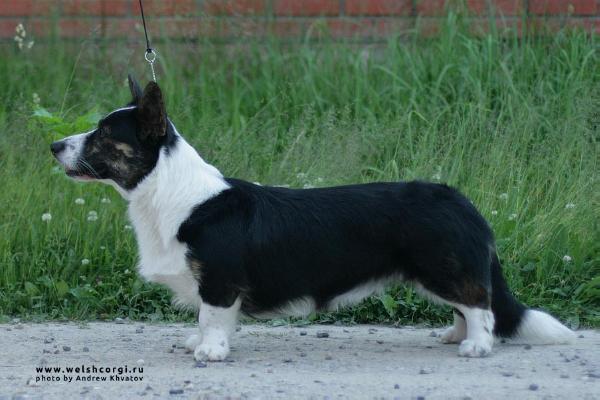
(62, 288)
(31, 289)
(389, 303)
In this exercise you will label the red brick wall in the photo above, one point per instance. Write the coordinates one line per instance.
(231, 19)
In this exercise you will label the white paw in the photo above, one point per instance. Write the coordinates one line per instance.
(212, 351)
(192, 342)
(471, 348)
(453, 335)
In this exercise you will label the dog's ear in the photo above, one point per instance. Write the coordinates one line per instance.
(151, 113)
(136, 90)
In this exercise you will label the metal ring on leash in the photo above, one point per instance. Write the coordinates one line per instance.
(150, 55)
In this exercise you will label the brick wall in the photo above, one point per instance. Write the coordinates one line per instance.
(234, 19)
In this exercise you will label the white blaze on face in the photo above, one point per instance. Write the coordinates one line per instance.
(72, 150)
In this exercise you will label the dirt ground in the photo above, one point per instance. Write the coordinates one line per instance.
(317, 362)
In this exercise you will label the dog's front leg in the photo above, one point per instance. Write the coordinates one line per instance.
(216, 325)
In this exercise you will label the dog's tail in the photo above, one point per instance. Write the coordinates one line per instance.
(514, 320)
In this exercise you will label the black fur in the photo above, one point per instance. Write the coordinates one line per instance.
(272, 245)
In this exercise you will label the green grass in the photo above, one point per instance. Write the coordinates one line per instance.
(514, 124)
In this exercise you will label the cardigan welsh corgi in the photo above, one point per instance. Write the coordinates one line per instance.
(225, 246)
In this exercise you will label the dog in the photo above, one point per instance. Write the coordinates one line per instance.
(225, 246)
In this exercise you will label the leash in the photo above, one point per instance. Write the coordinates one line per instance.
(150, 54)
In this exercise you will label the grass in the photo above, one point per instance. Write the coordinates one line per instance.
(513, 123)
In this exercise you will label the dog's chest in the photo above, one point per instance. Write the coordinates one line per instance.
(164, 263)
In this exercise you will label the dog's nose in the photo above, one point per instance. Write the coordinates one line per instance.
(57, 147)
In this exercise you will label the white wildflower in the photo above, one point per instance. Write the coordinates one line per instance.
(79, 201)
(105, 200)
(503, 196)
(512, 217)
(126, 271)
(20, 29)
(85, 261)
(494, 212)
(567, 259)
(127, 227)
(570, 206)
(92, 216)
(56, 170)
(308, 186)
(46, 217)
(102, 247)
(438, 175)
(301, 175)
(36, 99)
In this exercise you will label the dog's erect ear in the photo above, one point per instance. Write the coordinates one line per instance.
(136, 90)
(151, 113)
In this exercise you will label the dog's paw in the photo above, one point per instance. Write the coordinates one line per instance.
(212, 351)
(453, 335)
(471, 348)
(192, 342)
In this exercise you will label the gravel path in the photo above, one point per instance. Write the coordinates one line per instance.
(318, 362)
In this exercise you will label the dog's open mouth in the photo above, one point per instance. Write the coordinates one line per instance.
(76, 174)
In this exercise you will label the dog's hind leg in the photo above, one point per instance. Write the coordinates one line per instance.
(480, 327)
(457, 332)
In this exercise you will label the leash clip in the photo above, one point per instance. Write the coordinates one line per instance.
(150, 56)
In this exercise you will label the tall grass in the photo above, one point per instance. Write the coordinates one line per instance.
(513, 123)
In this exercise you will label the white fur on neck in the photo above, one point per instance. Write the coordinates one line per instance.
(180, 181)
(159, 205)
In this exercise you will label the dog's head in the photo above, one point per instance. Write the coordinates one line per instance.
(125, 145)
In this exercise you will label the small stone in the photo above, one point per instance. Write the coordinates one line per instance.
(302, 333)
(238, 328)
(200, 364)
(533, 387)
(85, 349)
(56, 351)
(322, 334)
(302, 354)
(507, 374)
(148, 388)
(119, 320)
(328, 357)
(252, 375)
(176, 391)
(140, 361)
(269, 371)
(433, 334)
(420, 397)
(396, 386)
(581, 336)
(593, 375)
(372, 330)
(379, 341)
(139, 330)
(564, 376)
(66, 348)
(171, 350)
(424, 371)
(46, 351)
(48, 340)
(527, 347)
(287, 360)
